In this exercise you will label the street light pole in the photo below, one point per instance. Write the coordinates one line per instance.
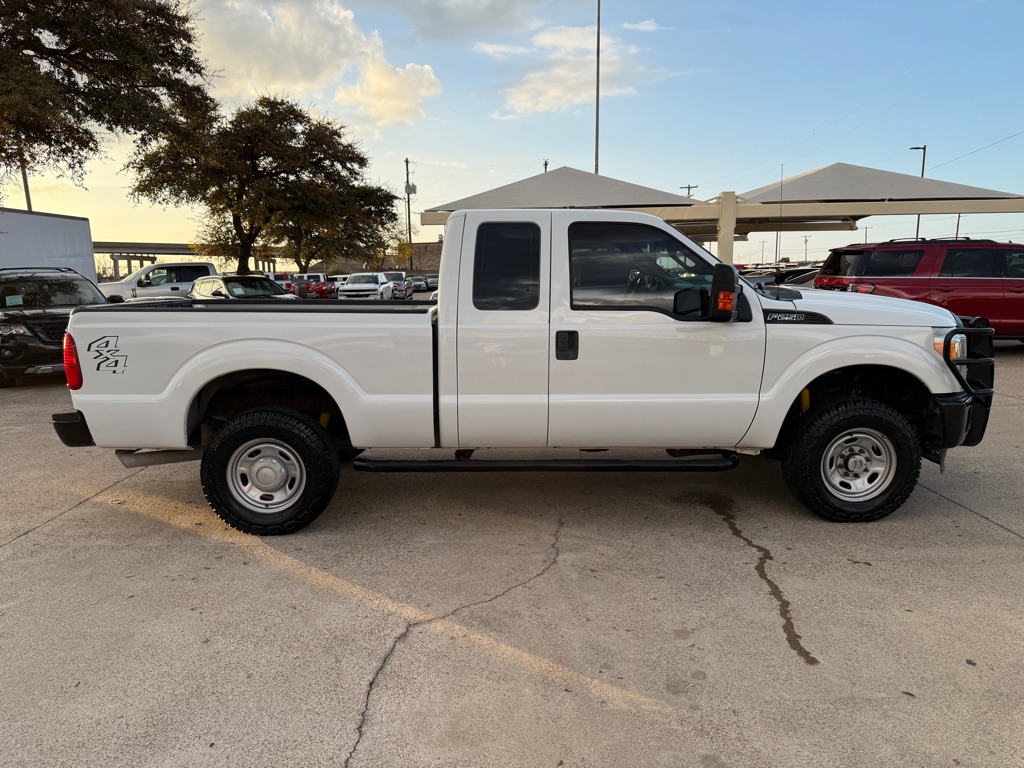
(924, 154)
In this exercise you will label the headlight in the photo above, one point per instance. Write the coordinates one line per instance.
(957, 344)
(13, 329)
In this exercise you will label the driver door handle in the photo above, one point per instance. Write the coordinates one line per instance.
(567, 345)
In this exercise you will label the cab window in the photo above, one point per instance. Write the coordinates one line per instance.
(506, 266)
(635, 266)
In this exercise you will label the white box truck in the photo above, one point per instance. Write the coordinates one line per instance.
(30, 239)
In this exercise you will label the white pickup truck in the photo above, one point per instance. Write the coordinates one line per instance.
(568, 329)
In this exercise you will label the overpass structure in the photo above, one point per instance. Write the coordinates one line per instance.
(147, 253)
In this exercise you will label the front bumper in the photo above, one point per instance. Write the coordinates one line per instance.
(26, 356)
(72, 429)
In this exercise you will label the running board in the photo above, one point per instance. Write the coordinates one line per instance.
(726, 460)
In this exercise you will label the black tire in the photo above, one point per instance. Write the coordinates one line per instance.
(295, 456)
(852, 460)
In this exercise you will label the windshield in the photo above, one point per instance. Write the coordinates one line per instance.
(362, 280)
(36, 293)
(393, 276)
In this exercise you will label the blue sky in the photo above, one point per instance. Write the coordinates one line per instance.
(726, 95)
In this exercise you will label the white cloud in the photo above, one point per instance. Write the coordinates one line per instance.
(563, 76)
(643, 26)
(500, 51)
(309, 49)
(448, 19)
(390, 95)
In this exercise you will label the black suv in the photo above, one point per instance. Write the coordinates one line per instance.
(35, 303)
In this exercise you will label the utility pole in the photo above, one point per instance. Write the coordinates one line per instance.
(545, 165)
(597, 93)
(806, 238)
(410, 189)
(24, 177)
(865, 233)
(689, 187)
(762, 247)
(924, 154)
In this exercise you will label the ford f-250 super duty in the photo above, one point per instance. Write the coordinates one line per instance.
(555, 329)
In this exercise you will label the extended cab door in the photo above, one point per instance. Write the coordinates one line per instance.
(626, 369)
(502, 343)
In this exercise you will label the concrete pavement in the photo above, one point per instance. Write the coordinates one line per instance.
(561, 619)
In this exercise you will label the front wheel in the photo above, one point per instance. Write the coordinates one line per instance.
(270, 472)
(852, 460)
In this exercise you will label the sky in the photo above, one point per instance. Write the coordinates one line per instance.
(724, 95)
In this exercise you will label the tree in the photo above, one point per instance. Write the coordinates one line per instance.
(72, 70)
(272, 169)
(333, 224)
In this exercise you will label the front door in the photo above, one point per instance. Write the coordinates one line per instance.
(630, 367)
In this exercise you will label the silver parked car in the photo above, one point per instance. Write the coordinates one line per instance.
(401, 285)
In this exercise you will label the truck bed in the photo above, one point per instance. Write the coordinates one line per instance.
(146, 364)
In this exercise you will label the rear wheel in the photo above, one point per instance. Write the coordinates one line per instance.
(852, 460)
(270, 472)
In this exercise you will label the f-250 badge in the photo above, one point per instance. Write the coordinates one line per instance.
(107, 356)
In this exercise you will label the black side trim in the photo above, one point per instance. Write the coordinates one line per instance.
(71, 428)
(794, 317)
(727, 460)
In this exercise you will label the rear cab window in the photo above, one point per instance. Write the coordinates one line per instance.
(506, 267)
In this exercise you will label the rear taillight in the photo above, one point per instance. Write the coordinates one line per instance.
(72, 368)
(861, 287)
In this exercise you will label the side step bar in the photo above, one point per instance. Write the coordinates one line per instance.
(726, 460)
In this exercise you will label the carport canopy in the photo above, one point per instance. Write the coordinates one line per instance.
(835, 197)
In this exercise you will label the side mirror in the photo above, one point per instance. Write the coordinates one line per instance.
(219, 294)
(691, 302)
(725, 294)
(117, 298)
(143, 282)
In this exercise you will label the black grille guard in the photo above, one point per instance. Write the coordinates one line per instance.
(980, 364)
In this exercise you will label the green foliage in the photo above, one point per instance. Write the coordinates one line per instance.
(74, 69)
(276, 173)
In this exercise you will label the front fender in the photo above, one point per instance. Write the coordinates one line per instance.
(784, 381)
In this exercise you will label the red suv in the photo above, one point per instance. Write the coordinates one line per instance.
(970, 278)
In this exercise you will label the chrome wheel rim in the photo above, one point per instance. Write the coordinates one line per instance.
(858, 465)
(266, 476)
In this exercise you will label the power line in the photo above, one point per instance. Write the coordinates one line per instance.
(977, 150)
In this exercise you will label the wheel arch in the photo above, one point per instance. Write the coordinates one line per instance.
(893, 366)
(222, 398)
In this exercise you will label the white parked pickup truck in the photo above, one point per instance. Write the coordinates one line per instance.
(562, 329)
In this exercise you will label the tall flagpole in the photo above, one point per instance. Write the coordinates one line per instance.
(597, 94)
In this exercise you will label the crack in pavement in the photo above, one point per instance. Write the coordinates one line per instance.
(972, 511)
(411, 625)
(722, 507)
(71, 508)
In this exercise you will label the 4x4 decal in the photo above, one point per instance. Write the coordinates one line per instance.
(107, 356)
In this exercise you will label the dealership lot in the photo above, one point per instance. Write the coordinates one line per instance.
(509, 620)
